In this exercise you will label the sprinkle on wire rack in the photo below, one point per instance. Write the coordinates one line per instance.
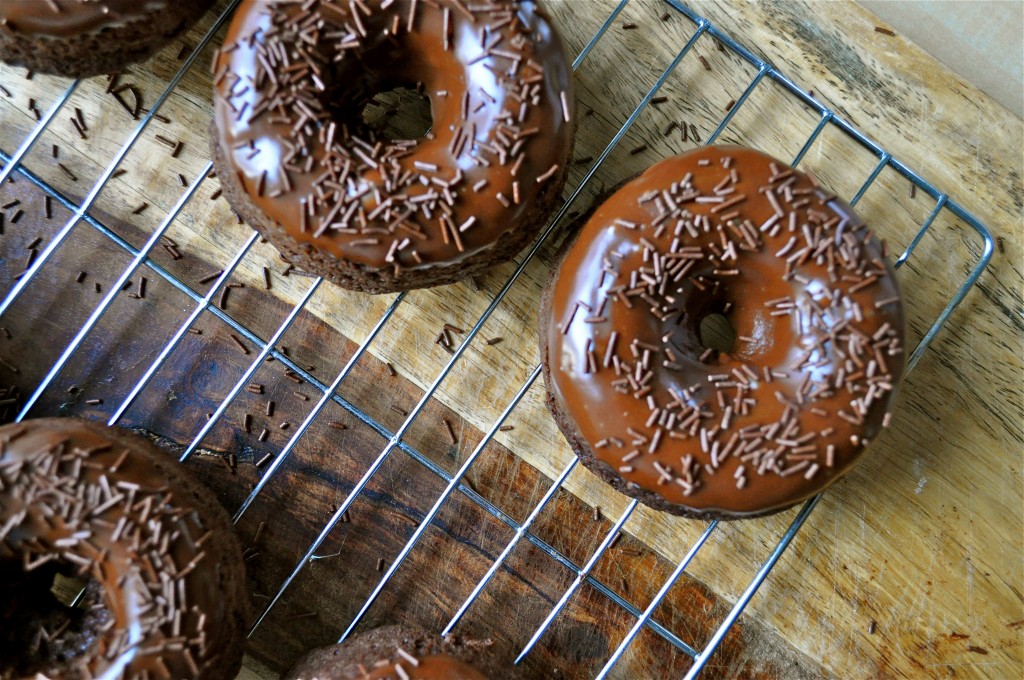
(328, 392)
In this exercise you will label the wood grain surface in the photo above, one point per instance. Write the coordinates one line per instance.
(911, 567)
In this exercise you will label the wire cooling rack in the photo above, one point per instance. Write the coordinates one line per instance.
(396, 439)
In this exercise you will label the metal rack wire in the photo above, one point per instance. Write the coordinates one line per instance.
(396, 439)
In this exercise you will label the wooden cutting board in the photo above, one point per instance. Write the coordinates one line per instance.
(910, 567)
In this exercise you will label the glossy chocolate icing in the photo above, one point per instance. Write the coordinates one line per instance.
(432, 667)
(60, 18)
(504, 81)
(85, 498)
(782, 314)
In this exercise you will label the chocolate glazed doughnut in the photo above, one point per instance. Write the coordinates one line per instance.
(814, 305)
(164, 579)
(403, 651)
(80, 38)
(297, 161)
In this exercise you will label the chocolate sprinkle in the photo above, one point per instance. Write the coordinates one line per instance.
(211, 277)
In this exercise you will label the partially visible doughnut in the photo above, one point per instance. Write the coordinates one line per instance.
(80, 38)
(164, 578)
(399, 651)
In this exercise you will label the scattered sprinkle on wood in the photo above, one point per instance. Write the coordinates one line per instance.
(660, 99)
(999, 244)
(78, 128)
(883, 30)
(704, 62)
(728, 107)
(211, 277)
(391, 369)
(304, 615)
(134, 108)
(451, 433)
(238, 343)
(628, 27)
(494, 341)
(506, 428)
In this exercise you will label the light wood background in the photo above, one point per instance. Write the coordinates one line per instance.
(911, 567)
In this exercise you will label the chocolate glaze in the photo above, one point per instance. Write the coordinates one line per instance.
(523, 55)
(61, 18)
(434, 667)
(391, 651)
(95, 502)
(818, 415)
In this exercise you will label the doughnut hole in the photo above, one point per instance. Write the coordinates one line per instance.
(398, 113)
(699, 324)
(40, 630)
(381, 94)
(717, 333)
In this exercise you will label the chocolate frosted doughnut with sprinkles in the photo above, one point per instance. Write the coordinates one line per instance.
(403, 652)
(734, 430)
(162, 576)
(340, 198)
(80, 38)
